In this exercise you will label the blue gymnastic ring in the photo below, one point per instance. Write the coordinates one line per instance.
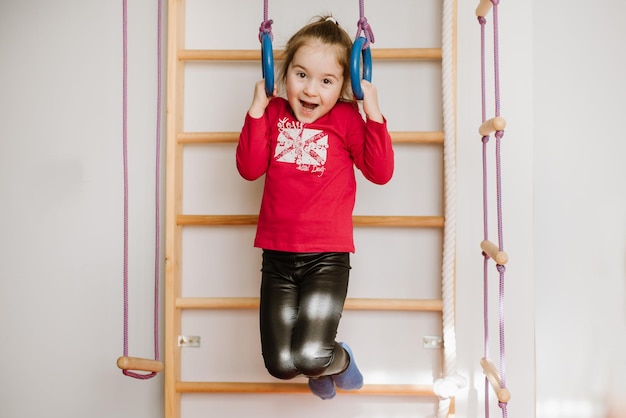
(267, 63)
(355, 66)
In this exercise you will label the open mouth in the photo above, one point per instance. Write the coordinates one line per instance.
(308, 106)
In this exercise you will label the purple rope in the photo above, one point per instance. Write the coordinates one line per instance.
(502, 405)
(485, 141)
(486, 305)
(483, 83)
(499, 135)
(266, 25)
(157, 181)
(501, 269)
(486, 257)
(363, 27)
(125, 162)
(496, 56)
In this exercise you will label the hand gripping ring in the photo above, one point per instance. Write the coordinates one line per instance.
(267, 62)
(355, 66)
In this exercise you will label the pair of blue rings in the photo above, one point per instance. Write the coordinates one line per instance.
(358, 52)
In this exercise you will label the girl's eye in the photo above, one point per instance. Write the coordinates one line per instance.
(327, 81)
(301, 75)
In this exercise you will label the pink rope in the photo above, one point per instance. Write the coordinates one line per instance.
(483, 82)
(500, 268)
(486, 257)
(266, 25)
(157, 181)
(363, 27)
(485, 140)
(125, 160)
(496, 55)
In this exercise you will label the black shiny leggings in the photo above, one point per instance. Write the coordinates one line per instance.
(302, 297)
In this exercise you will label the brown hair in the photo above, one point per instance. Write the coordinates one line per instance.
(326, 30)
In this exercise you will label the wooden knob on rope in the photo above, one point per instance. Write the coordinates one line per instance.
(493, 377)
(484, 7)
(494, 252)
(492, 125)
(139, 364)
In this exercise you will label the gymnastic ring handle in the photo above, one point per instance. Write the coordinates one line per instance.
(355, 66)
(267, 63)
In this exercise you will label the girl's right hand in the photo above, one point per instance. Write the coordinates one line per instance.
(370, 101)
(260, 100)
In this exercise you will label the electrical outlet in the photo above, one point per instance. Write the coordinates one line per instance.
(188, 341)
(433, 342)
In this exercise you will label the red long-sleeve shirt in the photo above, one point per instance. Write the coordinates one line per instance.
(310, 183)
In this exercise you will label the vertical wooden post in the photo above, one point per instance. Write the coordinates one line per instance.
(173, 232)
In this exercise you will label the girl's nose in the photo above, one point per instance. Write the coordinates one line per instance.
(310, 88)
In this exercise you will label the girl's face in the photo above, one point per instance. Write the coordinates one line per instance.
(314, 81)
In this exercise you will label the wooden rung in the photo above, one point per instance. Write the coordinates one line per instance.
(218, 303)
(436, 137)
(207, 137)
(422, 305)
(139, 364)
(261, 387)
(402, 221)
(417, 305)
(406, 53)
(494, 252)
(255, 54)
(216, 220)
(388, 221)
(484, 6)
(493, 377)
(224, 55)
(492, 125)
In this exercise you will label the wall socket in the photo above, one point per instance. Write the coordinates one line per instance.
(433, 342)
(188, 341)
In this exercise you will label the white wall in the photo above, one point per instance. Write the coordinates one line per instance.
(61, 211)
(580, 207)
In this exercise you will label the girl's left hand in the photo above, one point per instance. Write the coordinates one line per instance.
(370, 102)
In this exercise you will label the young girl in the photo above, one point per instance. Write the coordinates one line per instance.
(307, 146)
